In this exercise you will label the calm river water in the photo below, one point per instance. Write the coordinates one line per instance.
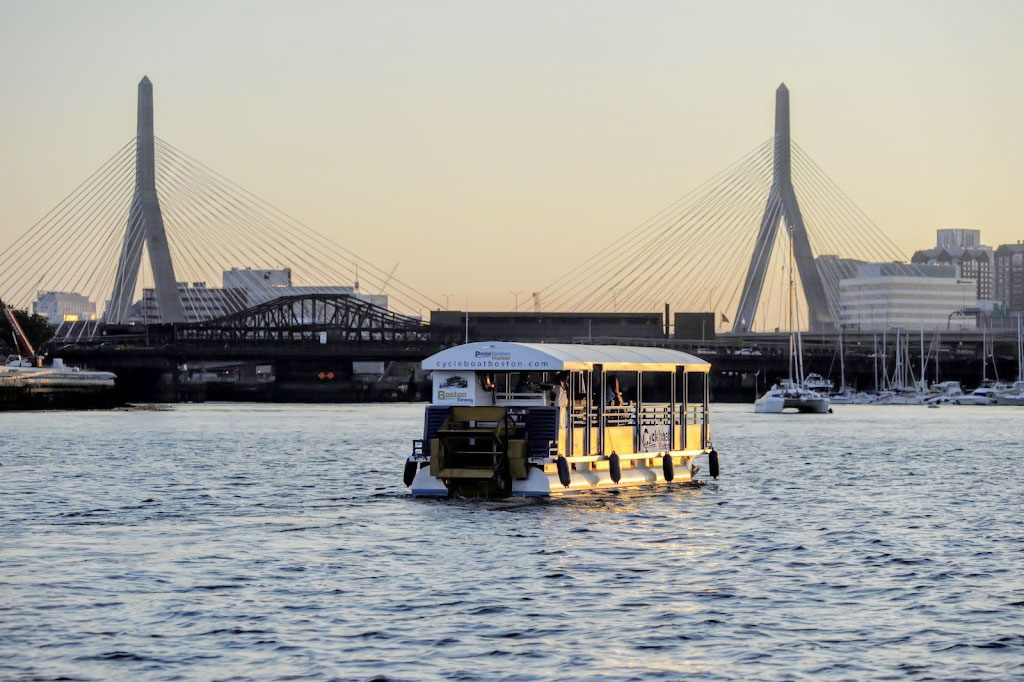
(253, 541)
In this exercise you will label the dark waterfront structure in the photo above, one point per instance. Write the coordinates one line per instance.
(694, 326)
(541, 326)
(308, 349)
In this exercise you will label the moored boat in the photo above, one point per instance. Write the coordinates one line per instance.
(533, 419)
(787, 395)
(25, 383)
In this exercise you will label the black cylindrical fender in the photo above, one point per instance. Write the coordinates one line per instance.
(614, 467)
(563, 471)
(668, 468)
(411, 467)
(713, 463)
(503, 477)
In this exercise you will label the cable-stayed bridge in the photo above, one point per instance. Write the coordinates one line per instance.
(150, 234)
(718, 248)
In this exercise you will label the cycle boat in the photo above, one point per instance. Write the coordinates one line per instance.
(536, 419)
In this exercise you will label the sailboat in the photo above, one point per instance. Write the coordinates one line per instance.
(1015, 396)
(792, 393)
(904, 388)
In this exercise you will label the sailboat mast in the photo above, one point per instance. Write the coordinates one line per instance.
(885, 362)
(792, 331)
(984, 355)
(842, 362)
(923, 367)
(1020, 350)
(874, 354)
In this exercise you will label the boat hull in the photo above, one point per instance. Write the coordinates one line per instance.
(773, 405)
(539, 483)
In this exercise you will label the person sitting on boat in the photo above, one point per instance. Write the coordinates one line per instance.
(613, 391)
(523, 383)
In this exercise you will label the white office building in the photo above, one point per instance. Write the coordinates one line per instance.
(62, 306)
(889, 295)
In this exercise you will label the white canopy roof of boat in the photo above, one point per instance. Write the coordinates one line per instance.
(506, 355)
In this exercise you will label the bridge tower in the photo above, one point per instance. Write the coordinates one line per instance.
(782, 205)
(145, 226)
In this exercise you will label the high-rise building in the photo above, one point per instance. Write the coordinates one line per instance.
(249, 278)
(963, 250)
(958, 238)
(62, 306)
(888, 295)
(1009, 276)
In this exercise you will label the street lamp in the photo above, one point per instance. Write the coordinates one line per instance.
(515, 307)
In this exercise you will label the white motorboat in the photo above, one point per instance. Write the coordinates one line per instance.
(787, 395)
(534, 419)
(24, 381)
(816, 382)
(984, 395)
(20, 373)
(1013, 396)
(946, 388)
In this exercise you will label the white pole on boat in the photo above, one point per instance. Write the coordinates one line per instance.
(897, 370)
(896, 379)
(842, 362)
(936, 340)
(1020, 351)
(874, 354)
(885, 361)
(984, 352)
(923, 364)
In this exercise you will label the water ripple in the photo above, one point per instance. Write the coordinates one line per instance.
(276, 542)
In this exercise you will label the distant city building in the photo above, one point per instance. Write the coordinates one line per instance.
(963, 250)
(888, 295)
(243, 288)
(971, 263)
(61, 306)
(1009, 276)
(199, 302)
(958, 238)
(252, 280)
(266, 285)
(832, 270)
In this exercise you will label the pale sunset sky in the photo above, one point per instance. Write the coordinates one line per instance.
(485, 145)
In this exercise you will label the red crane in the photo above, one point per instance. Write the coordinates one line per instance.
(19, 333)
